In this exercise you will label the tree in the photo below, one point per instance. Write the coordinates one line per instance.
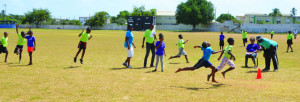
(141, 11)
(225, 17)
(293, 12)
(123, 14)
(37, 16)
(194, 12)
(121, 21)
(275, 12)
(98, 19)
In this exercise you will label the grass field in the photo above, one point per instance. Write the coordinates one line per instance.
(55, 77)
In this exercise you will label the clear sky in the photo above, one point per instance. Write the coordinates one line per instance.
(81, 8)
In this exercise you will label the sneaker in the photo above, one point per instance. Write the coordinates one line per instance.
(265, 70)
(275, 70)
(75, 60)
(145, 66)
(125, 64)
(129, 66)
(292, 51)
(154, 70)
(81, 61)
(246, 66)
(152, 66)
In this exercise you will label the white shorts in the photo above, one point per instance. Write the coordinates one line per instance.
(225, 61)
(181, 52)
(130, 52)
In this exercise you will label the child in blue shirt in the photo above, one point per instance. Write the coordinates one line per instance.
(222, 41)
(160, 52)
(204, 61)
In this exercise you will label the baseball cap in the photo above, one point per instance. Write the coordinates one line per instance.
(258, 38)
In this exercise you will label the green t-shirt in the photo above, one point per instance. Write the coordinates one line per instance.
(244, 34)
(21, 40)
(180, 43)
(148, 37)
(290, 36)
(228, 48)
(266, 43)
(4, 41)
(272, 32)
(84, 37)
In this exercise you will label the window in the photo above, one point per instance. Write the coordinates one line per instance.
(278, 21)
(267, 20)
(287, 21)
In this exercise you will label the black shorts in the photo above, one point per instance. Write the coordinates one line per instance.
(245, 40)
(18, 47)
(3, 49)
(221, 43)
(289, 42)
(82, 45)
(202, 62)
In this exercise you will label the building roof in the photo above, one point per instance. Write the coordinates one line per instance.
(165, 13)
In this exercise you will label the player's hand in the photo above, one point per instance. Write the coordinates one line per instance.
(128, 48)
(195, 46)
(165, 54)
(134, 46)
(143, 46)
(34, 49)
(219, 59)
(233, 58)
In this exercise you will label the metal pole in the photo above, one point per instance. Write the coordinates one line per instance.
(5, 13)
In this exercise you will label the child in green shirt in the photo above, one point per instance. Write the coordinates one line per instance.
(3, 44)
(180, 44)
(290, 41)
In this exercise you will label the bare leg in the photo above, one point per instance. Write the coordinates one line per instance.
(291, 48)
(30, 56)
(223, 73)
(174, 57)
(186, 58)
(213, 71)
(128, 61)
(186, 69)
(78, 53)
(6, 57)
(20, 55)
(83, 52)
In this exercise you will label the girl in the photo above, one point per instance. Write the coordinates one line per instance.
(160, 52)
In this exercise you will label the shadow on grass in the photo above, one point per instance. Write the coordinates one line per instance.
(257, 71)
(71, 67)
(127, 68)
(174, 63)
(246, 67)
(214, 86)
(19, 65)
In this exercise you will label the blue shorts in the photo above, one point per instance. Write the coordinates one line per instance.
(202, 62)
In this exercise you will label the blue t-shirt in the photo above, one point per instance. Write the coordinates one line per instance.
(160, 51)
(222, 37)
(252, 47)
(207, 52)
(130, 40)
(30, 40)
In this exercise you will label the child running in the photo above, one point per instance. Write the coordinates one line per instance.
(160, 52)
(3, 45)
(180, 44)
(227, 57)
(222, 37)
(85, 36)
(31, 44)
(20, 43)
(290, 41)
(204, 61)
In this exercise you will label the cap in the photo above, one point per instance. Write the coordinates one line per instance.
(130, 25)
(258, 38)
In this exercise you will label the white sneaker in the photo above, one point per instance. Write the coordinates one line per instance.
(129, 66)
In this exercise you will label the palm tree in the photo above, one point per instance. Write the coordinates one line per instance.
(275, 12)
(293, 12)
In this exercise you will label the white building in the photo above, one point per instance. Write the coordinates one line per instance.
(83, 20)
(165, 18)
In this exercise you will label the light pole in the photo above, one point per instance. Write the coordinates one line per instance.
(5, 13)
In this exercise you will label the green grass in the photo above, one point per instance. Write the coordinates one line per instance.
(55, 77)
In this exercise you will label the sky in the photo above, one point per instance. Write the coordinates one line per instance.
(72, 9)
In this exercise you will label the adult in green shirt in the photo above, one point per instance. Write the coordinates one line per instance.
(85, 36)
(289, 41)
(149, 45)
(20, 43)
(272, 32)
(3, 44)
(270, 52)
(245, 40)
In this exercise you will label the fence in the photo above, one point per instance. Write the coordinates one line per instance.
(266, 28)
(7, 26)
(106, 27)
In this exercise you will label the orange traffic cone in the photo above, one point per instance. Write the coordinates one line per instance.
(258, 74)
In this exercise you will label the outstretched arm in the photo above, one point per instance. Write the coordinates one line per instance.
(221, 55)
(90, 37)
(185, 41)
(215, 52)
(81, 33)
(197, 46)
(17, 28)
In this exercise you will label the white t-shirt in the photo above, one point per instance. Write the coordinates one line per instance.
(295, 32)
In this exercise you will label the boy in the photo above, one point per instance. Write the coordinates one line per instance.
(227, 57)
(3, 45)
(31, 44)
(252, 50)
(180, 44)
(290, 41)
(160, 53)
(221, 41)
(272, 32)
(20, 43)
(295, 34)
(85, 36)
(204, 61)
(245, 40)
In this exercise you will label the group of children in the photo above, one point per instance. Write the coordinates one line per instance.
(31, 44)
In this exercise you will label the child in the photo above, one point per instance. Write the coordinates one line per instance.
(20, 44)
(290, 41)
(227, 57)
(160, 52)
(222, 41)
(272, 32)
(3, 45)
(180, 44)
(129, 45)
(245, 40)
(85, 36)
(204, 61)
(31, 44)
